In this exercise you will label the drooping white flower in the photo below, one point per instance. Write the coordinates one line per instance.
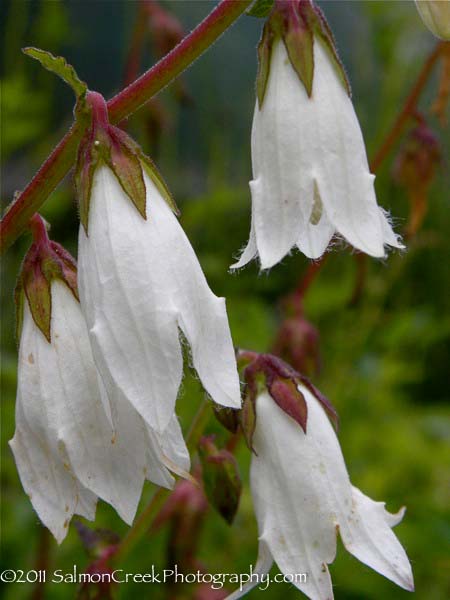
(311, 178)
(65, 448)
(436, 16)
(140, 282)
(303, 497)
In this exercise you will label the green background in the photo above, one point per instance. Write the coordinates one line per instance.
(385, 360)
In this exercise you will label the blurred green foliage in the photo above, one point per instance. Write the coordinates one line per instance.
(385, 358)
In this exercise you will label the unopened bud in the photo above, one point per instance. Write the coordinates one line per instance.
(414, 169)
(221, 478)
(297, 342)
(418, 158)
(436, 16)
(166, 28)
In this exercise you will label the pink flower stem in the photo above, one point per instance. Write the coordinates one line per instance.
(60, 161)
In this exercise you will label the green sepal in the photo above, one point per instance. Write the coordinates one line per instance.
(299, 42)
(248, 420)
(154, 174)
(221, 479)
(61, 265)
(265, 47)
(318, 24)
(116, 149)
(44, 262)
(260, 8)
(300, 24)
(83, 178)
(227, 417)
(290, 399)
(38, 293)
(19, 301)
(59, 66)
(127, 167)
(150, 169)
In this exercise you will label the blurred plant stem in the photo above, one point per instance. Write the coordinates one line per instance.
(409, 110)
(145, 519)
(409, 107)
(42, 561)
(133, 61)
(58, 164)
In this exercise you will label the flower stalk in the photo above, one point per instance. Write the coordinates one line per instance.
(60, 161)
(408, 108)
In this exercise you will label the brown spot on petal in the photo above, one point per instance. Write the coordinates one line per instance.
(31, 359)
(67, 508)
(66, 524)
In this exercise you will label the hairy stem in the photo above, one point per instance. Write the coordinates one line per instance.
(121, 106)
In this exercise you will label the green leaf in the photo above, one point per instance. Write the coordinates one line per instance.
(59, 66)
(260, 8)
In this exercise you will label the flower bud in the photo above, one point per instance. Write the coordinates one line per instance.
(297, 340)
(436, 16)
(220, 478)
(166, 29)
(416, 163)
(415, 168)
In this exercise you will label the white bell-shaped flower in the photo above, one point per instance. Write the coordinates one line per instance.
(140, 283)
(65, 448)
(303, 497)
(311, 178)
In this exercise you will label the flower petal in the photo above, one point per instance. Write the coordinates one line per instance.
(346, 185)
(282, 186)
(56, 495)
(140, 291)
(201, 315)
(251, 250)
(105, 463)
(42, 461)
(367, 535)
(318, 231)
(263, 565)
(132, 319)
(296, 481)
